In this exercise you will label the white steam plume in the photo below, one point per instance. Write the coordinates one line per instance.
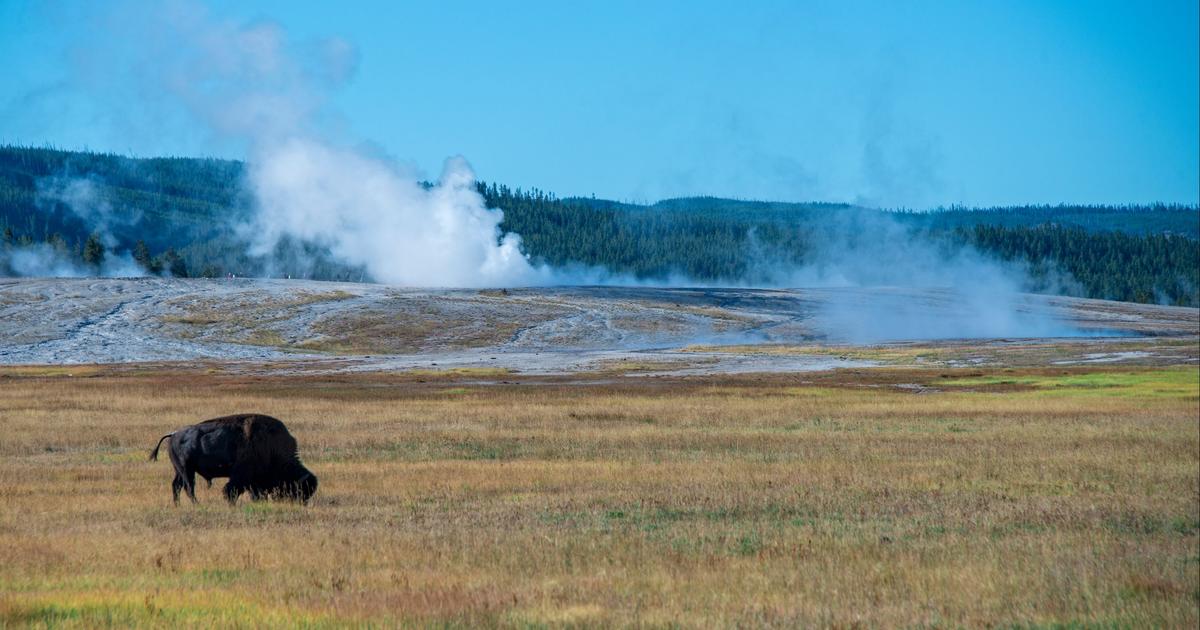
(83, 198)
(41, 260)
(923, 287)
(254, 86)
(370, 213)
(252, 83)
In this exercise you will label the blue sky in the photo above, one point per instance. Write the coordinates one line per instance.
(912, 104)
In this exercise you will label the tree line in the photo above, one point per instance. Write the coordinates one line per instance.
(174, 216)
(721, 240)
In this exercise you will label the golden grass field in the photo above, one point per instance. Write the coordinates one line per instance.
(882, 497)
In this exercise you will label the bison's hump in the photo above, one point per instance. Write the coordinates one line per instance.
(260, 422)
(256, 427)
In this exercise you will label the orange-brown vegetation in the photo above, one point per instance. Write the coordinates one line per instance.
(886, 497)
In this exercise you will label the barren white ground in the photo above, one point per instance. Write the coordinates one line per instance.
(345, 326)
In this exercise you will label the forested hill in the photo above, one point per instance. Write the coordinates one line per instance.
(1139, 220)
(175, 215)
(1129, 253)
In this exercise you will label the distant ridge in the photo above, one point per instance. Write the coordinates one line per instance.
(181, 214)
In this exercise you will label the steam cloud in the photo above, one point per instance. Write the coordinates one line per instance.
(923, 287)
(369, 213)
(254, 86)
(251, 83)
(82, 197)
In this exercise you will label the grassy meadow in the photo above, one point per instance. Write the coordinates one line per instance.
(882, 497)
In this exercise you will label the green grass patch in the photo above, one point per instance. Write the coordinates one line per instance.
(1165, 383)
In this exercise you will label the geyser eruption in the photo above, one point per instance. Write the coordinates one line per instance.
(370, 213)
(250, 83)
(922, 286)
(253, 86)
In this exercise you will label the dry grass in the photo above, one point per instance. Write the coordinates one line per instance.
(892, 355)
(248, 318)
(703, 502)
(625, 365)
(400, 325)
(1024, 353)
(456, 372)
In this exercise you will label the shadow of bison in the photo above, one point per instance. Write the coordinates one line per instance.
(256, 453)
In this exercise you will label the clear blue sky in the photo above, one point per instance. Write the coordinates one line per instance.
(889, 103)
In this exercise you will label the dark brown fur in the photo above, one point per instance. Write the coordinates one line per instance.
(256, 452)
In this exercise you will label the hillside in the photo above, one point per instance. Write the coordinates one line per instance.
(1133, 219)
(181, 216)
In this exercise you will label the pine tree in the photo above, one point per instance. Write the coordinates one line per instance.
(141, 254)
(173, 263)
(93, 251)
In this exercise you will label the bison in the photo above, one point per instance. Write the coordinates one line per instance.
(254, 451)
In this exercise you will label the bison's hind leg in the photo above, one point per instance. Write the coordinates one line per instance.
(189, 484)
(185, 477)
(184, 480)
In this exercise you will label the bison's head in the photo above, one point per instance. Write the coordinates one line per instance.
(306, 486)
(301, 489)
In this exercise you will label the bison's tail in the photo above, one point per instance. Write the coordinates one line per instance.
(154, 453)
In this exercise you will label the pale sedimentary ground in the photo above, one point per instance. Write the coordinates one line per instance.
(340, 326)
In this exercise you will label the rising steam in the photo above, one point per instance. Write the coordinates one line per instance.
(372, 214)
(923, 287)
(253, 84)
(81, 197)
(255, 87)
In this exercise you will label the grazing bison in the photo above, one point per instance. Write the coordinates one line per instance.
(254, 451)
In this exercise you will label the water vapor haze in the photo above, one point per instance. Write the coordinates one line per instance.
(42, 260)
(254, 85)
(368, 212)
(83, 198)
(926, 287)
